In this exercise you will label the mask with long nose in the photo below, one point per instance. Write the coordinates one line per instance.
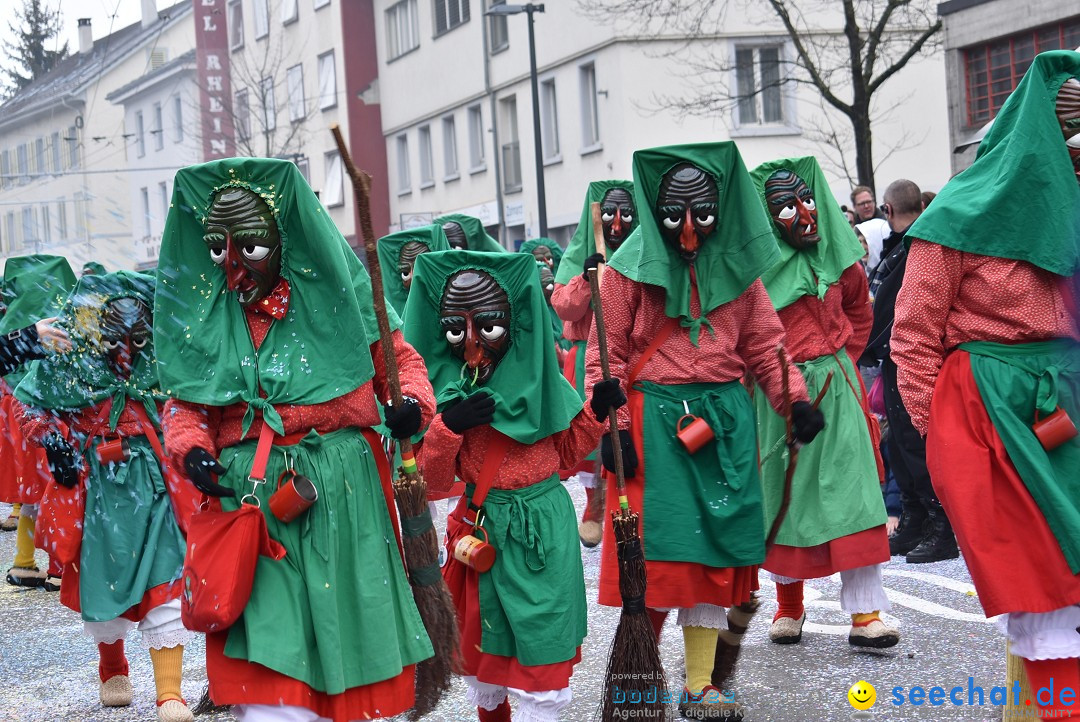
(126, 330)
(547, 281)
(1067, 109)
(243, 240)
(542, 254)
(407, 259)
(475, 318)
(687, 206)
(616, 216)
(791, 205)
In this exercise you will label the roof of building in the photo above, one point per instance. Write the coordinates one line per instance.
(187, 58)
(955, 6)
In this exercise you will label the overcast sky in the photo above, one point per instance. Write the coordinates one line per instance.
(102, 14)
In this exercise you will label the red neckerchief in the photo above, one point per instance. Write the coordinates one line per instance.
(275, 303)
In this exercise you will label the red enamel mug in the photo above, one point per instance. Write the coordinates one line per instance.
(695, 434)
(474, 552)
(115, 451)
(1055, 429)
(293, 497)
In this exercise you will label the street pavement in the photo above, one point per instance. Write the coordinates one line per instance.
(48, 667)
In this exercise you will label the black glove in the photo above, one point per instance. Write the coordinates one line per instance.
(606, 395)
(592, 262)
(629, 455)
(403, 422)
(472, 411)
(806, 421)
(201, 466)
(63, 460)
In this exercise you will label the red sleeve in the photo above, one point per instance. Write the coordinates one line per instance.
(760, 336)
(411, 371)
(186, 426)
(36, 424)
(437, 455)
(917, 347)
(856, 302)
(580, 440)
(620, 298)
(572, 301)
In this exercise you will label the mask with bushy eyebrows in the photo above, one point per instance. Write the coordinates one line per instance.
(243, 240)
(126, 330)
(407, 256)
(475, 318)
(791, 205)
(616, 216)
(455, 236)
(687, 206)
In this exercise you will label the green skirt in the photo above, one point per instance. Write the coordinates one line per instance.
(835, 491)
(337, 612)
(131, 542)
(532, 601)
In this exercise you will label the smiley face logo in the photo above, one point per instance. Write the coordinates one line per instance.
(862, 695)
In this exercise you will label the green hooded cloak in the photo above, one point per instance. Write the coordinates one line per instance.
(526, 412)
(582, 246)
(35, 287)
(1020, 199)
(92, 267)
(389, 248)
(82, 377)
(809, 272)
(556, 250)
(475, 235)
(318, 352)
(738, 251)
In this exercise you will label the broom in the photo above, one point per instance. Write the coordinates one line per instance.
(419, 540)
(634, 667)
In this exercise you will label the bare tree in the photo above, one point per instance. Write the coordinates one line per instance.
(845, 58)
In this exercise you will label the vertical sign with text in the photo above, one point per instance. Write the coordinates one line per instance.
(215, 95)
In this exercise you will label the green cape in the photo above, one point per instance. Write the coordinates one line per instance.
(35, 287)
(526, 412)
(556, 250)
(582, 246)
(389, 248)
(740, 249)
(1020, 199)
(809, 272)
(475, 235)
(318, 352)
(81, 377)
(93, 267)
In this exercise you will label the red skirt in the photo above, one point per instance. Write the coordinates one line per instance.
(671, 585)
(154, 597)
(24, 471)
(861, 549)
(1014, 559)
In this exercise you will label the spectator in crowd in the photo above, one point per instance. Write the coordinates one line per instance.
(850, 215)
(927, 196)
(862, 198)
(875, 231)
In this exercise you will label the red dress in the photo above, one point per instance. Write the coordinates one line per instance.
(24, 470)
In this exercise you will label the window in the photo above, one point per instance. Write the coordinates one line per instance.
(992, 71)
(266, 93)
(73, 148)
(449, 14)
(159, 128)
(140, 139)
(9, 229)
(449, 137)
(243, 114)
(402, 29)
(404, 183)
(590, 115)
(236, 25)
(334, 189)
(46, 224)
(476, 139)
(178, 119)
(511, 148)
(39, 156)
(29, 225)
(427, 161)
(81, 227)
(54, 150)
(327, 81)
(144, 193)
(61, 219)
(549, 120)
(163, 197)
(500, 36)
(758, 86)
(23, 162)
(290, 11)
(5, 168)
(262, 19)
(305, 167)
(295, 82)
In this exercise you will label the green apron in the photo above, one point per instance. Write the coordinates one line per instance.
(835, 491)
(1016, 381)
(532, 601)
(337, 611)
(131, 542)
(705, 507)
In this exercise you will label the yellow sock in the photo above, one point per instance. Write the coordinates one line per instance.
(15, 509)
(24, 543)
(168, 664)
(700, 643)
(861, 620)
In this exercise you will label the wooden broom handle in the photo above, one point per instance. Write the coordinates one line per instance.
(598, 236)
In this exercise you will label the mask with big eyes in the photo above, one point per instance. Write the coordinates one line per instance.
(1067, 109)
(791, 205)
(687, 206)
(126, 330)
(616, 216)
(542, 254)
(407, 258)
(455, 236)
(547, 281)
(242, 238)
(475, 318)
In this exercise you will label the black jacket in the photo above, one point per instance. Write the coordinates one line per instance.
(19, 347)
(885, 282)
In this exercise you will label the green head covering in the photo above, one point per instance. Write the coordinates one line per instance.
(740, 249)
(82, 377)
(811, 271)
(1020, 199)
(93, 267)
(35, 287)
(526, 412)
(475, 235)
(318, 352)
(389, 248)
(556, 250)
(582, 246)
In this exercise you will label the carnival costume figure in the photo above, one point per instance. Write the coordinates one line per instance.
(466, 233)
